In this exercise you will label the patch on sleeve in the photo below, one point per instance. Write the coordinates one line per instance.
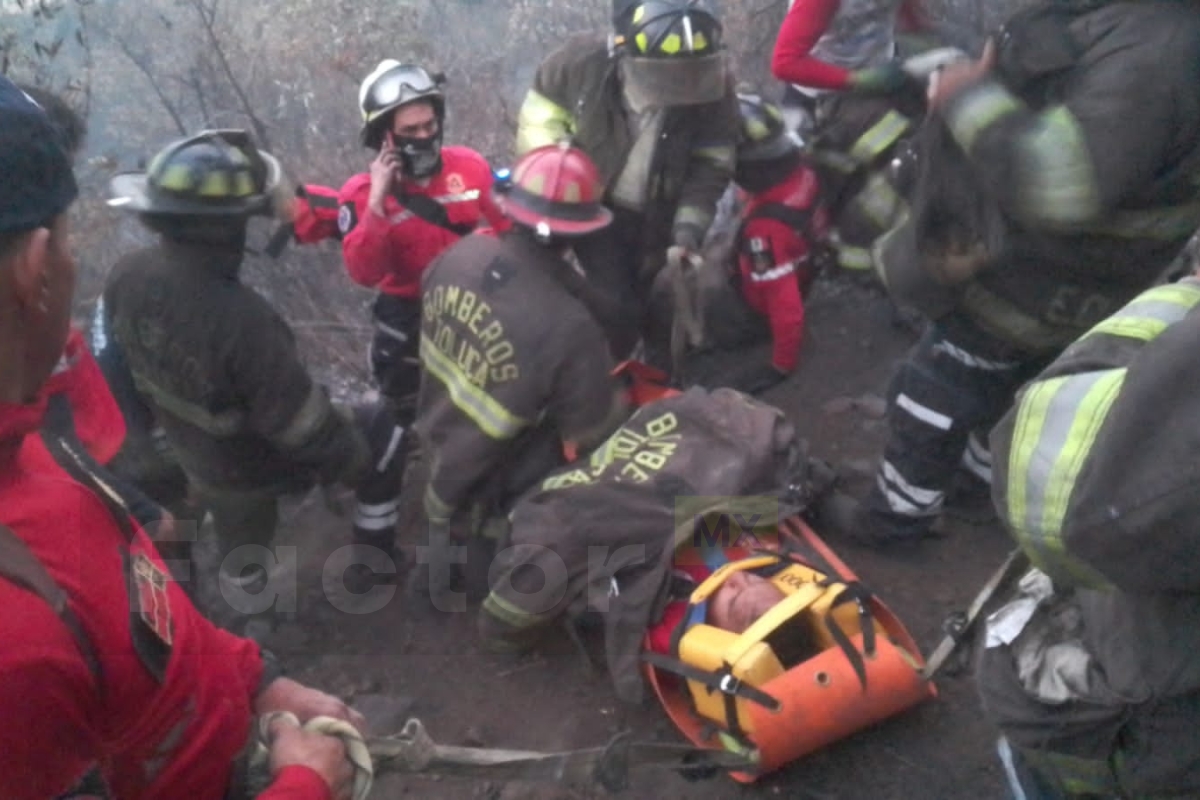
(761, 256)
(153, 604)
(347, 219)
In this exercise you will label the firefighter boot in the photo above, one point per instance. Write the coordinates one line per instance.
(858, 522)
(969, 500)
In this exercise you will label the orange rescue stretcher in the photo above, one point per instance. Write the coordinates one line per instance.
(827, 661)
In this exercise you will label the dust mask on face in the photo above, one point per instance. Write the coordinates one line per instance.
(420, 157)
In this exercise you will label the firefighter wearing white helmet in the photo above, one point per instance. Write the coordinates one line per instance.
(417, 198)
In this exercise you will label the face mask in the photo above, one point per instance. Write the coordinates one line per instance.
(420, 157)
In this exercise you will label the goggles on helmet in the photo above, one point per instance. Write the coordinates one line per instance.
(398, 85)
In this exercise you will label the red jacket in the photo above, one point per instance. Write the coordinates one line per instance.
(169, 739)
(390, 253)
(773, 260)
(806, 22)
(97, 417)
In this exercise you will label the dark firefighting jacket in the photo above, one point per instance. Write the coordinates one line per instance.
(510, 355)
(577, 91)
(600, 534)
(221, 369)
(1089, 141)
(1095, 476)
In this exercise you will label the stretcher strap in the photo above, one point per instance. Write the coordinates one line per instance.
(721, 680)
(853, 593)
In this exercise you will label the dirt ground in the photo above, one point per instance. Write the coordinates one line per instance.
(942, 749)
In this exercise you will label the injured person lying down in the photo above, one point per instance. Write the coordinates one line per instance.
(680, 536)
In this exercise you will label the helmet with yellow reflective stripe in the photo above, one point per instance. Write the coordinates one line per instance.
(214, 173)
(669, 28)
(763, 135)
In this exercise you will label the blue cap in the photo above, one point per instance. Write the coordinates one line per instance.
(36, 180)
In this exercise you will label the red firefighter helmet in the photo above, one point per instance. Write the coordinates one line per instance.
(555, 190)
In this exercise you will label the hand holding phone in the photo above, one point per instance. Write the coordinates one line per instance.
(384, 171)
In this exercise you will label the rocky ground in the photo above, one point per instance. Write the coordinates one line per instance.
(553, 700)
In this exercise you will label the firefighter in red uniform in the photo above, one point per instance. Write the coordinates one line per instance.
(120, 668)
(417, 199)
(781, 237)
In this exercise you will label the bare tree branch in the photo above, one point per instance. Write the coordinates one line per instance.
(146, 67)
(207, 19)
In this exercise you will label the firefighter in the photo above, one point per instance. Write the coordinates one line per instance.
(779, 245)
(1059, 211)
(826, 47)
(514, 362)
(1090, 672)
(220, 368)
(654, 107)
(159, 696)
(839, 60)
(417, 199)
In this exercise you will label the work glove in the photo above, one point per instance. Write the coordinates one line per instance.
(688, 237)
(886, 78)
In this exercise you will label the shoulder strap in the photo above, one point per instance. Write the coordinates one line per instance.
(20, 566)
(152, 651)
(795, 218)
(432, 212)
(76, 462)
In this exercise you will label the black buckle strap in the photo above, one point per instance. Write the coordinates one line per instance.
(432, 212)
(856, 593)
(19, 565)
(721, 681)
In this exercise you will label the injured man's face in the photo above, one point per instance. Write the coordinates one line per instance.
(742, 599)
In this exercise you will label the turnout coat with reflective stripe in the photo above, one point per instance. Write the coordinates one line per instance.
(222, 372)
(1094, 163)
(509, 353)
(1096, 475)
(577, 93)
(600, 534)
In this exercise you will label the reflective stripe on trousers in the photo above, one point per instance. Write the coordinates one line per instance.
(952, 384)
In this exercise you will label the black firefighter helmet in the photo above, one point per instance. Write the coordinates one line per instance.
(216, 173)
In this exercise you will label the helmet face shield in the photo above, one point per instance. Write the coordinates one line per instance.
(662, 82)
